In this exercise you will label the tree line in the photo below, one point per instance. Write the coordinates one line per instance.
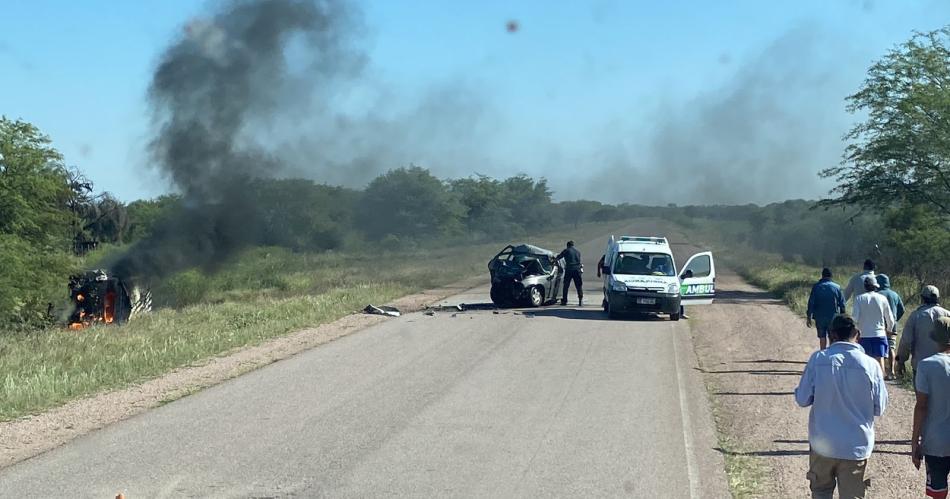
(50, 216)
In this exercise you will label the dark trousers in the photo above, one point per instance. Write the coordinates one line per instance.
(575, 276)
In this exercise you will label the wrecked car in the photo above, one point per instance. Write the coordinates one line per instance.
(524, 275)
(100, 298)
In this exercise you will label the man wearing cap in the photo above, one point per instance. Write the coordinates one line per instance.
(930, 440)
(915, 343)
(897, 310)
(873, 316)
(856, 284)
(573, 268)
(824, 302)
(845, 389)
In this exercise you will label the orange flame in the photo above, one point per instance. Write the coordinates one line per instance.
(108, 309)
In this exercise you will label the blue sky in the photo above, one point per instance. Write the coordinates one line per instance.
(607, 99)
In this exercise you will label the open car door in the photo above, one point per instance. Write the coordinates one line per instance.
(698, 280)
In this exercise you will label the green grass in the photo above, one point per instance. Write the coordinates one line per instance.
(744, 472)
(261, 294)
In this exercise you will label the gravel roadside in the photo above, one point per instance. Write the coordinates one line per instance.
(752, 350)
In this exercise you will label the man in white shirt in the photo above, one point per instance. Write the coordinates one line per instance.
(855, 286)
(874, 318)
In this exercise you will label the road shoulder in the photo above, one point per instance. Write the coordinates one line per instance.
(751, 350)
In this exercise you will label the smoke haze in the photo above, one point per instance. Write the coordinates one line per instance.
(224, 78)
(279, 88)
(760, 137)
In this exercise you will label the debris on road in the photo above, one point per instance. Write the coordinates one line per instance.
(464, 307)
(382, 310)
(429, 312)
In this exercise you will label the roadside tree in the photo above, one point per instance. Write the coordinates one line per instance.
(902, 150)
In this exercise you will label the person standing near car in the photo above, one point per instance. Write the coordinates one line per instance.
(874, 318)
(845, 390)
(573, 268)
(897, 309)
(824, 303)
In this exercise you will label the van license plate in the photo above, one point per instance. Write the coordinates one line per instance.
(646, 301)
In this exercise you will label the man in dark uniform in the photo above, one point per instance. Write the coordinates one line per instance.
(572, 272)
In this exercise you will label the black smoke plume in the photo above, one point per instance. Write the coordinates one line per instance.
(224, 79)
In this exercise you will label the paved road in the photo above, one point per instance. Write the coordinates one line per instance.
(554, 402)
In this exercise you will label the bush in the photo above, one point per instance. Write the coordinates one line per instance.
(31, 280)
(182, 289)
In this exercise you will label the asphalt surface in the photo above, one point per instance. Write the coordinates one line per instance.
(556, 401)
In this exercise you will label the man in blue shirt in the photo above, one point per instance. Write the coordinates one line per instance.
(845, 389)
(824, 302)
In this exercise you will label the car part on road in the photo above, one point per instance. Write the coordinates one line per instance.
(382, 310)
(464, 307)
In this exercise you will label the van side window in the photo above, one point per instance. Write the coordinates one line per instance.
(700, 266)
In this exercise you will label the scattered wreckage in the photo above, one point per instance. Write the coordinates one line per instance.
(99, 298)
(525, 275)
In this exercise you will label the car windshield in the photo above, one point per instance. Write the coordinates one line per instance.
(632, 263)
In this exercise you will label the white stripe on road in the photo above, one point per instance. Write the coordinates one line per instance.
(684, 416)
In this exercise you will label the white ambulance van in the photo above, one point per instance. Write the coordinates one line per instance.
(640, 276)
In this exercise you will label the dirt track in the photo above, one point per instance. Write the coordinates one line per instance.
(752, 350)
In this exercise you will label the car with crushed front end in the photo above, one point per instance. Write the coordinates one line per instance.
(524, 275)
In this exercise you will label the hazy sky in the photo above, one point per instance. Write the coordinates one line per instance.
(647, 101)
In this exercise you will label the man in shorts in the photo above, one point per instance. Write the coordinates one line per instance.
(824, 303)
(873, 315)
(931, 436)
(846, 391)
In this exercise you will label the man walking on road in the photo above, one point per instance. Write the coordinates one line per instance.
(824, 302)
(573, 268)
(897, 310)
(916, 343)
(856, 284)
(931, 437)
(873, 316)
(845, 389)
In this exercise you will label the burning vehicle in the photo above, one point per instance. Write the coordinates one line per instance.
(98, 298)
(524, 274)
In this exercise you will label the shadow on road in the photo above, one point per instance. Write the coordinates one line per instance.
(792, 452)
(588, 314)
(762, 453)
(755, 393)
(759, 372)
(739, 297)
(876, 442)
(769, 361)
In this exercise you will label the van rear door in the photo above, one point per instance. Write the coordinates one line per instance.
(698, 280)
